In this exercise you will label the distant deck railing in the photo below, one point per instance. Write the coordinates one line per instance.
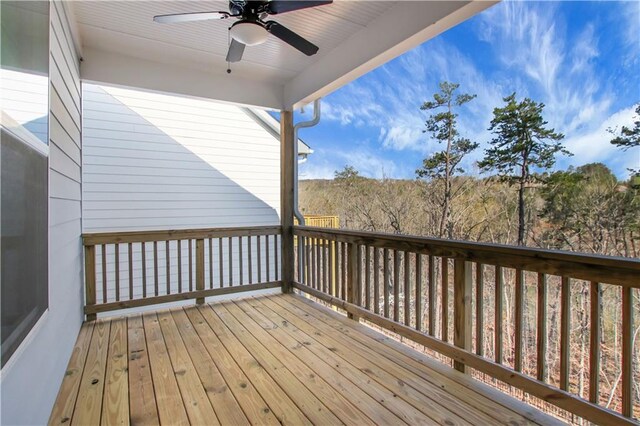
(320, 221)
(435, 293)
(133, 269)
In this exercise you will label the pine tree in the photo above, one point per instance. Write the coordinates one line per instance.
(522, 142)
(444, 165)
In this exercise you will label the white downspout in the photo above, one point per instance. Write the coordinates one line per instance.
(296, 211)
(315, 120)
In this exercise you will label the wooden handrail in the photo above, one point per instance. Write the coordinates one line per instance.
(95, 238)
(435, 268)
(134, 270)
(591, 267)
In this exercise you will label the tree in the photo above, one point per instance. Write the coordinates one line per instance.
(347, 174)
(628, 137)
(443, 165)
(522, 142)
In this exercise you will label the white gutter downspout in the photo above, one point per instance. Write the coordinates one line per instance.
(315, 120)
(296, 211)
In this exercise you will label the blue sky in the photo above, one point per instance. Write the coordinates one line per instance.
(581, 58)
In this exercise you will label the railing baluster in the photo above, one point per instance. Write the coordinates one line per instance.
(199, 269)
(240, 266)
(179, 266)
(259, 262)
(462, 308)
(343, 249)
(155, 267)
(519, 318)
(144, 269)
(445, 299)
(385, 285)
(168, 266)
(210, 262)
(594, 342)
(314, 264)
(230, 258)
(130, 253)
(259, 253)
(479, 309)
(318, 266)
(407, 288)
(190, 266)
(104, 273)
(117, 270)
(266, 249)
(331, 247)
(542, 327)
(352, 276)
(376, 280)
(250, 259)
(325, 264)
(90, 278)
(565, 331)
(396, 285)
(276, 266)
(418, 295)
(627, 351)
(221, 261)
(499, 286)
(432, 295)
(307, 263)
(358, 287)
(367, 278)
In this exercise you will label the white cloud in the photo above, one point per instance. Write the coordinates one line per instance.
(594, 146)
(314, 170)
(368, 163)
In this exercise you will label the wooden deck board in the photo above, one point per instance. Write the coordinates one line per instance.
(265, 360)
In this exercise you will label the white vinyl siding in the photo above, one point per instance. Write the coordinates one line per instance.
(31, 381)
(155, 161)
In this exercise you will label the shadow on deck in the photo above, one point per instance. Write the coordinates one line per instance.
(265, 360)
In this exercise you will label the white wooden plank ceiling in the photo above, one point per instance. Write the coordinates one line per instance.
(119, 38)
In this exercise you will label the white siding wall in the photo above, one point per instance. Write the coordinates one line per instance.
(31, 379)
(154, 161)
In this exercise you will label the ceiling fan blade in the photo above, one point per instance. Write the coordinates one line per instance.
(236, 49)
(288, 36)
(188, 17)
(283, 6)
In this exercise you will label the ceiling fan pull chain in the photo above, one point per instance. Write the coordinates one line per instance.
(229, 45)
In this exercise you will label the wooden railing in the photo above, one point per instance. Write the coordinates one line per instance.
(132, 269)
(452, 298)
(320, 221)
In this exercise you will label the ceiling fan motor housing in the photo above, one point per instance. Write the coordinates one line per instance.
(250, 33)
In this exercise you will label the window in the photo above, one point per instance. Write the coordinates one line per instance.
(24, 169)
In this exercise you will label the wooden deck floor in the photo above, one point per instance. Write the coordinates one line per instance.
(270, 360)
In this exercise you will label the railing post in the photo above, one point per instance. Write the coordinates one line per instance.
(353, 284)
(199, 269)
(462, 308)
(90, 278)
(286, 199)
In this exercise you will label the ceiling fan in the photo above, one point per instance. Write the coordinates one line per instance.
(251, 29)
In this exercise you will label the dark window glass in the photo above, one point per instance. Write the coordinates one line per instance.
(24, 169)
(23, 260)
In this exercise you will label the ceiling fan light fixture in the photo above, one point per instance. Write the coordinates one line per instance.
(249, 33)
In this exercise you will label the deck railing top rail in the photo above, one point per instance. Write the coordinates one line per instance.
(95, 238)
(592, 267)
